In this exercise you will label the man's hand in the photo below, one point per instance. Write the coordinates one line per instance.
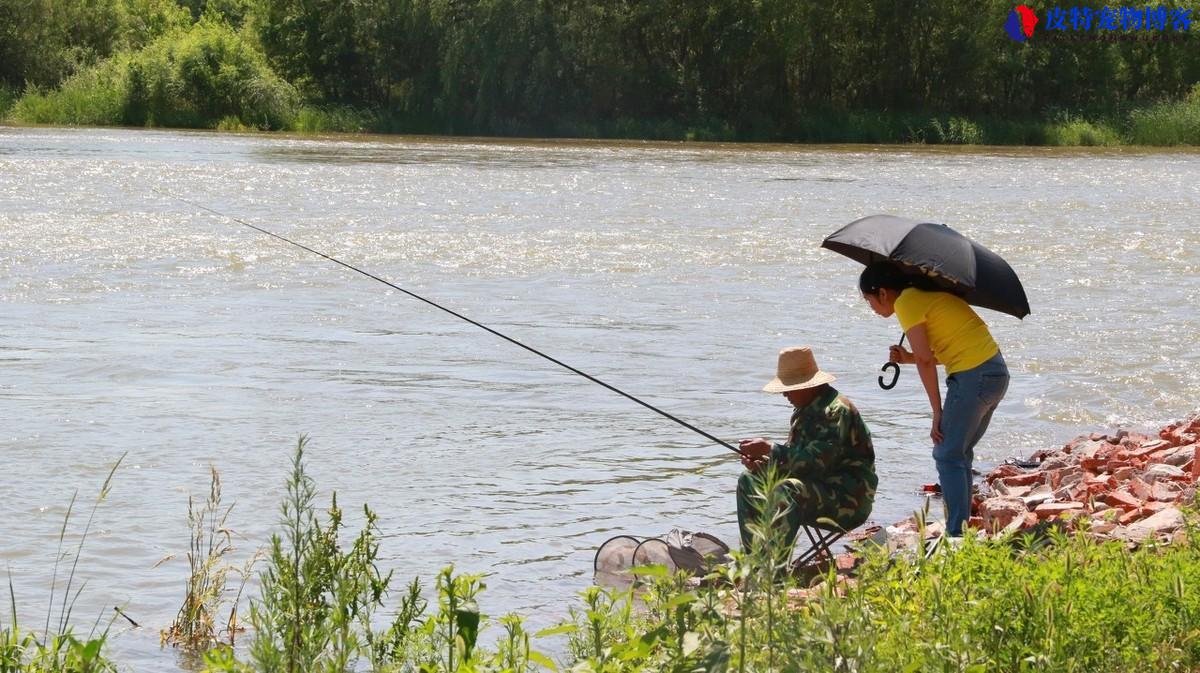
(936, 433)
(754, 452)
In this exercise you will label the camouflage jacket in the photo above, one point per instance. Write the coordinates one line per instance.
(830, 446)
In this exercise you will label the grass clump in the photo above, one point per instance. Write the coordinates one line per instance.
(198, 625)
(58, 649)
(333, 119)
(1062, 603)
(1066, 130)
(1169, 123)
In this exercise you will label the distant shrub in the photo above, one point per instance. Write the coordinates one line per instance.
(8, 96)
(1174, 123)
(92, 97)
(333, 119)
(1069, 130)
(197, 78)
(203, 76)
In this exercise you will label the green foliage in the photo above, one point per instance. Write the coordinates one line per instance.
(148, 20)
(94, 97)
(332, 119)
(1064, 603)
(1079, 132)
(42, 42)
(58, 650)
(197, 626)
(868, 71)
(319, 599)
(8, 96)
(1170, 123)
(733, 69)
(195, 78)
(316, 596)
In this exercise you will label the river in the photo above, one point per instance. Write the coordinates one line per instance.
(132, 322)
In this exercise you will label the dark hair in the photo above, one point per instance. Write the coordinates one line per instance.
(883, 274)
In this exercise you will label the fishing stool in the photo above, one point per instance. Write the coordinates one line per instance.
(821, 541)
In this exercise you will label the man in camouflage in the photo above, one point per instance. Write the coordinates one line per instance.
(828, 451)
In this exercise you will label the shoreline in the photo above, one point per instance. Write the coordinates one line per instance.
(1123, 485)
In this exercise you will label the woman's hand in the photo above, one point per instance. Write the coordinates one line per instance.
(754, 452)
(900, 355)
(936, 433)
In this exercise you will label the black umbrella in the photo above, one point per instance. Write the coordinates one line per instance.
(947, 258)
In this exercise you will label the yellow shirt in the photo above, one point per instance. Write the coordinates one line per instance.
(957, 336)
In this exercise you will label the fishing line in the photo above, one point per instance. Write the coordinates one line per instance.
(456, 314)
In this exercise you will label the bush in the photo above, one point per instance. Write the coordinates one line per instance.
(1172, 123)
(332, 119)
(1079, 132)
(8, 96)
(1064, 603)
(197, 78)
(318, 599)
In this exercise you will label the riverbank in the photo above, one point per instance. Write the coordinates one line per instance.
(1060, 596)
(1169, 124)
(1121, 486)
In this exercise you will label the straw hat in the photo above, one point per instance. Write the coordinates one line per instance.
(797, 370)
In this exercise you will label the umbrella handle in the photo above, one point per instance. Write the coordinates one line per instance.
(895, 375)
(895, 370)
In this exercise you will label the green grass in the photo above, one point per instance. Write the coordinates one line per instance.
(57, 649)
(1058, 602)
(202, 621)
(1169, 123)
(313, 119)
(1064, 604)
(8, 97)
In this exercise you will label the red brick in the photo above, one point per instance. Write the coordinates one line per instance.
(1122, 500)
(1122, 473)
(997, 513)
(1023, 479)
(1165, 490)
(1149, 447)
(1139, 488)
(1004, 471)
(1047, 510)
(1130, 516)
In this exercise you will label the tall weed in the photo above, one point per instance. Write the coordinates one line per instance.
(320, 600)
(58, 649)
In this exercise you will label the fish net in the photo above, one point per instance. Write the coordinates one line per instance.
(677, 550)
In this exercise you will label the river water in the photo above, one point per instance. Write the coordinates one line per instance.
(134, 323)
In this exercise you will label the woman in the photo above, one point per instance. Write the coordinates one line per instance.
(943, 329)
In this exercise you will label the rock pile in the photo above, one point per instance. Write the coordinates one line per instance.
(1125, 486)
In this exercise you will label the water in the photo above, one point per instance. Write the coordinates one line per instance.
(135, 323)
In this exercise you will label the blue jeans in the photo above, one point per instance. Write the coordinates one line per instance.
(971, 397)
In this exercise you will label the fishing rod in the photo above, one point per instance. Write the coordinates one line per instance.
(456, 314)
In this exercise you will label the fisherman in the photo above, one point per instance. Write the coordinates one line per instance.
(828, 451)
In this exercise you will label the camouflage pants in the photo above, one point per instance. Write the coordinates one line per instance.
(807, 504)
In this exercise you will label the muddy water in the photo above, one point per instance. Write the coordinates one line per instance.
(133, 323)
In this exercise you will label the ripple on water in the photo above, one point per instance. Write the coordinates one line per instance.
(135, 323)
